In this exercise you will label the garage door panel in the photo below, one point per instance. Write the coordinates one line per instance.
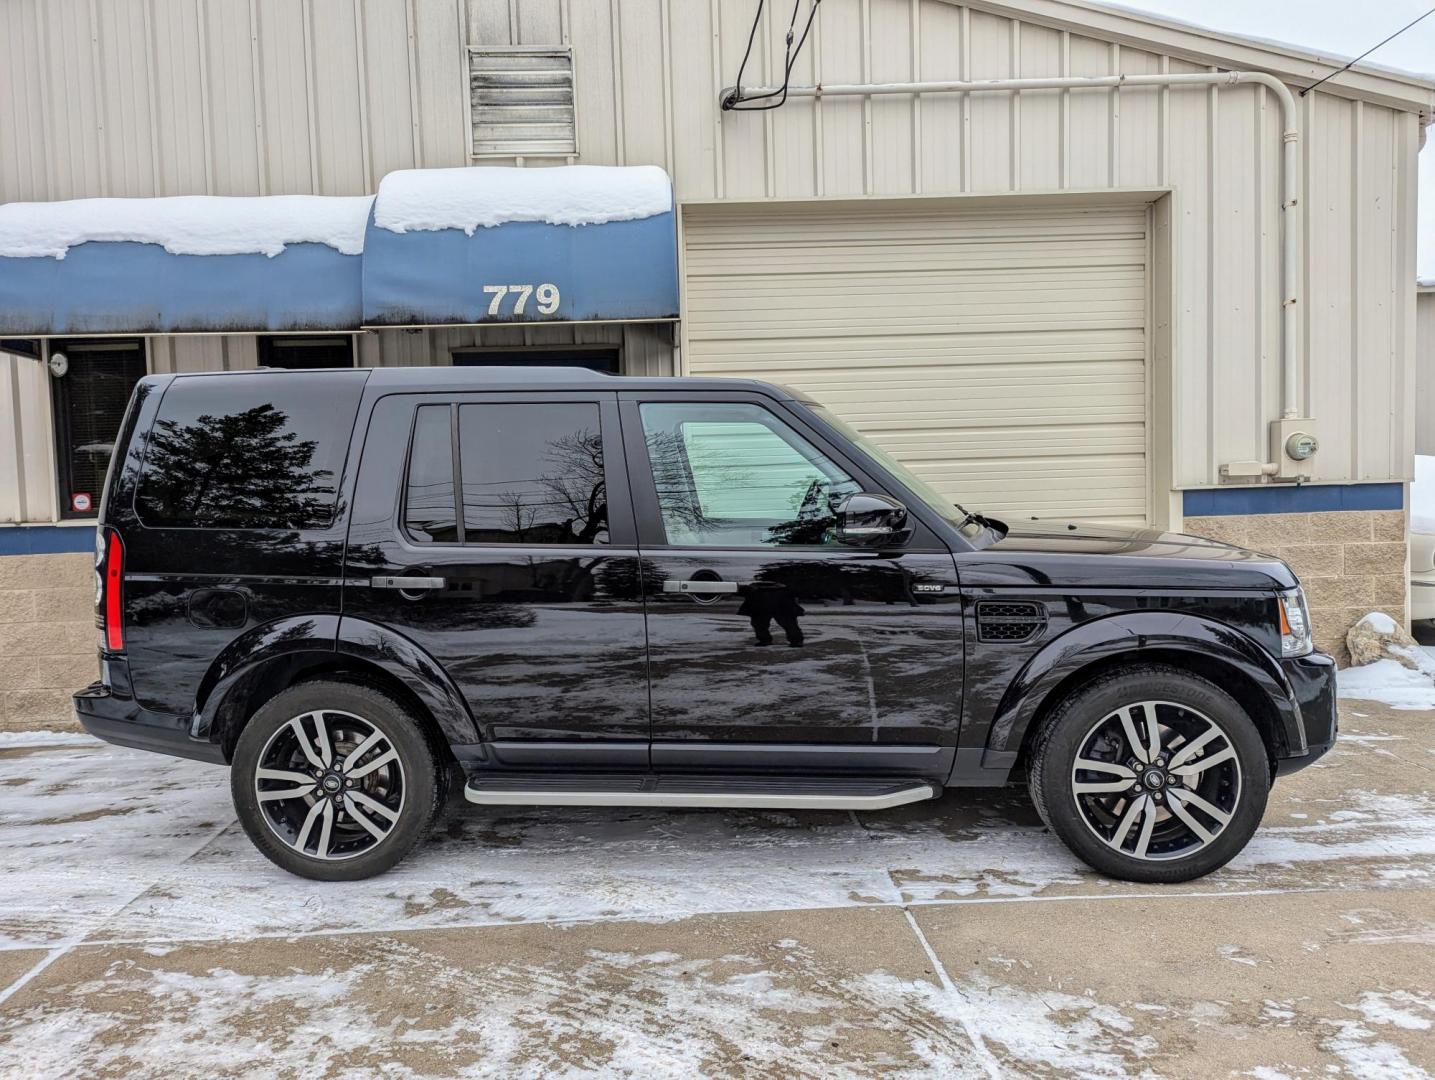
(1002, 355)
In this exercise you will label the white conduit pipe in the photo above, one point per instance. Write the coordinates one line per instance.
(1290, 163)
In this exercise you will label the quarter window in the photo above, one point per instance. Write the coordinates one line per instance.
(430, 511)
(734, 475)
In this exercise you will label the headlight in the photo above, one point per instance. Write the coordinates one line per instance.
(1295, 624)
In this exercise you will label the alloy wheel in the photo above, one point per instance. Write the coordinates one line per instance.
(1156, 780)
(330, 784)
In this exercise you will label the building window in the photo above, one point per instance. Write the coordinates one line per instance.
(89, 406)
(306, 353)
(521, 102)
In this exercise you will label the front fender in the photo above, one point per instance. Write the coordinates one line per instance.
(416, 669)
(1133, 634)
(300, 633)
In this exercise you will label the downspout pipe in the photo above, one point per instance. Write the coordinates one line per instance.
(1290, 163)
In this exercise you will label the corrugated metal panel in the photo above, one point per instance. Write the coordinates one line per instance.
(1425, 372)
(1001, 354)
(107, 98)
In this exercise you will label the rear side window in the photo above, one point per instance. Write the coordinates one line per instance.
(252, 452)
(529, 473)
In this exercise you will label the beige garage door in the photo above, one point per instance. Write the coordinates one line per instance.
(1000, 354)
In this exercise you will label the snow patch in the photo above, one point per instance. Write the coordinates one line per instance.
(1389, 682)
(422, 200)
(1378, 621)
(187, 224)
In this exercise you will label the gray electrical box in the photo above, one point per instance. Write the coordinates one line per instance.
(1293, 449)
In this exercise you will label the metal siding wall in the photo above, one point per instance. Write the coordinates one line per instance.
(161, 97)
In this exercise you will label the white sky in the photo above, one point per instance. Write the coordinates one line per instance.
(1343, 28)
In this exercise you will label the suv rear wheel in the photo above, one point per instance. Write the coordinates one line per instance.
(1151, 774)
(335, 781)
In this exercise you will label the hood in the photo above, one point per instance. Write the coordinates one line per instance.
(1111, 556)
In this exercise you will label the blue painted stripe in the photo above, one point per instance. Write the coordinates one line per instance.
(1292, 499)
(46, 539)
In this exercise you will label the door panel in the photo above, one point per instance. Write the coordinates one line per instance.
(761, 628)
(540, 625)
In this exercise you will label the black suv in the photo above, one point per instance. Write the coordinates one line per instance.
(565, 588)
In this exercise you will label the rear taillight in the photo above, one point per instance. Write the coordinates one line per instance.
(110, 571)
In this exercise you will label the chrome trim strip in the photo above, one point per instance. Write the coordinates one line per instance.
(773, 801)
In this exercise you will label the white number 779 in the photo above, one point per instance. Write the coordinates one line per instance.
(546, 295)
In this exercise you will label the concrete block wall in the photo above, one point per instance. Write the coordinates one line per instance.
(47, 638)
(1350, 562)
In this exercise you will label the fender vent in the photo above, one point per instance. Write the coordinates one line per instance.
(1007, 621)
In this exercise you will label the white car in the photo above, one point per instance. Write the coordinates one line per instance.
(1422, 542)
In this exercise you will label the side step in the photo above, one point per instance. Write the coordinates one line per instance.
(654, 789)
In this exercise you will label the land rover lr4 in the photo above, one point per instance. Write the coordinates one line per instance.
(564, 588)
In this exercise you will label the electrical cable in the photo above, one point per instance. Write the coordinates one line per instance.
(735, 101)
(1368, 51)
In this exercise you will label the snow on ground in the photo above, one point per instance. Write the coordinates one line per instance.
(466, 198)
(187, 225)
(1390, 682)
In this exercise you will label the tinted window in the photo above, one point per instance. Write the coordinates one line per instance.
(734, 475)
(252, 451)
(532, 474)
(430, 511)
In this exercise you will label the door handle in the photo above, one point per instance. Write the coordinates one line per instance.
(407, 584)
(703, 588)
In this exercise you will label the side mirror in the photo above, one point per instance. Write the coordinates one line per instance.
(867, 520)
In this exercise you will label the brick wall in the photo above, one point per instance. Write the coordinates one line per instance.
(1349, 562)
(47, 638)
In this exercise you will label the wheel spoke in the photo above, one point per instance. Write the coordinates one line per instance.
(1108, 767)
(326, 829)
(302, 840)
(369, 766)
(305, 746)
(287, 793)
(1086, 787)
(1195, 746)
(1128, 727)
(363, 748)
(1179, 809)
(363, 819)
(373, 804)
(321, 730)
(1198, 767)
(1190, 798)
(1123, 827)
(1153, 731)
(1148, 825)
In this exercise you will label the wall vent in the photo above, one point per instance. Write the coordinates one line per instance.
(521, 101)
(1009, 621)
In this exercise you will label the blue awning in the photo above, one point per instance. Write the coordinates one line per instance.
(434, 247)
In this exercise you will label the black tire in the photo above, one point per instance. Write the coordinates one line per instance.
(1089, 722)
(413, 779)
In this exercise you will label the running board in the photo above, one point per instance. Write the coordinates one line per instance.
(649, 789)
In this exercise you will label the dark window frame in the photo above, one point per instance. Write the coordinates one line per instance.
(604, 358)
(60, 421)
(267, 346)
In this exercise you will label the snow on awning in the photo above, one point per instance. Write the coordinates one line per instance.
(435, 247)
(570, 243)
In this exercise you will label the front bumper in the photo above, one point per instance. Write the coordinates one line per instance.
(1312, 681)
(122, 721)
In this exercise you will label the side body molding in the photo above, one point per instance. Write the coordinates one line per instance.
(1131, 634)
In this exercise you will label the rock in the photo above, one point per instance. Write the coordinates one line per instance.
(1379, 637)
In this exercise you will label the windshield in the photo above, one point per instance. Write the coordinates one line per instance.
(938, 502)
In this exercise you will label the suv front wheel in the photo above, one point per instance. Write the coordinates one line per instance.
(1151, 774)
(335, 781)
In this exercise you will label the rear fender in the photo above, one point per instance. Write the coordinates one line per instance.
(1140, 635)
(417, 670)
